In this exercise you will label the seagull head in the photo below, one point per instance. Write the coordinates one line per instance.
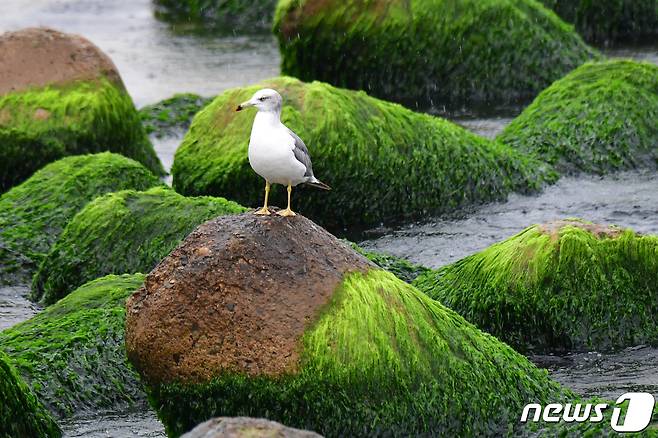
(265, 100)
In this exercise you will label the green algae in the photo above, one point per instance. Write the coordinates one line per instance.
(401, 268)
(599, 118)
(383, 162)
(382, 359)
(610, 21)
(38, 126)
(224, 16)
(172, 115)
(21, 414)
(122, 232)
(567, 288)
(33, 214)
(72, 354)
(428, 53)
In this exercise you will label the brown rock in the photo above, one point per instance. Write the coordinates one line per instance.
(245, 427)
(36, 57)
(237, 294)
(553, 228)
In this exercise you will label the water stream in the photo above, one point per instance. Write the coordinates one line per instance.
(156, 63)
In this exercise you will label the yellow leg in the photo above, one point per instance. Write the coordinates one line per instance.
(288, 211)
(265, 211)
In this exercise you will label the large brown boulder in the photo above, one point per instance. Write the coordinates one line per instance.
(272, 317)
(35, 57)
(245, 427)
(60, 95)
(236, 295)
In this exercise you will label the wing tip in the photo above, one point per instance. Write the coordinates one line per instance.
(318, 184)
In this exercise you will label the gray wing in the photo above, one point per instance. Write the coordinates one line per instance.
(301, 153)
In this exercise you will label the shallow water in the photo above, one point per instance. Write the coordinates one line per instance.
(628, 199)
(14, 305)
(605, 375)
(141, 423)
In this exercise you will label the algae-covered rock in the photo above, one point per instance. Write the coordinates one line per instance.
(122, 232)
(382, 161)
(600, 117)
(60, 95)
(72, 354)
(610, 21)
(21, 414)
(563, 285)
(230, 16)
(172, 116)
(33, 214)
(274, 317)
(428, 52)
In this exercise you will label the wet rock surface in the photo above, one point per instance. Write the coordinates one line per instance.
(236, 295)
(244, 427)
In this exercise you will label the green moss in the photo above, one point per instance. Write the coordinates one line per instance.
(243, 16)
(600, 117)
(41, 125)
(33, 214)
(428, 52)
(383, 359)
(610, 21)
(72, 354)
(172, 115)
(401, 268)
(122, 232)
(383, 162)
(556, 288)
(21, 414)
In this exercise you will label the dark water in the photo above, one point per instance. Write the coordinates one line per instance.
(634, 369)
(156, 63)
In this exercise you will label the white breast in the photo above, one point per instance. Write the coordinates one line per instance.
(271, 151)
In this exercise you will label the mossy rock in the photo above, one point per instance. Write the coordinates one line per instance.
(33, 214)
(599, 118)
(383, 359)
(73, 355)
(429, 52)
(21, 414)
(127, 232)
(610, 21)
(383, 162)
(41, 125)
(272, 317)
(225, 16)
(172, 116)
(567, 285)
(401, 268)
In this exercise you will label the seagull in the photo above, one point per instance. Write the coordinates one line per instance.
(276, 153)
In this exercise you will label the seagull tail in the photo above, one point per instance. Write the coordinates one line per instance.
(318, 184)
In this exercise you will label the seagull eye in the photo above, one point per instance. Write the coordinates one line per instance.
(262, 98)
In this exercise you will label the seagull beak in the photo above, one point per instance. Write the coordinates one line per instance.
(244, 105)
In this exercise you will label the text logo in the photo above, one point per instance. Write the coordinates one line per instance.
(638, 407)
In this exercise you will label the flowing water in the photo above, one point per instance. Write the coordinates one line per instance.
(156, 63)
(628, 199)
